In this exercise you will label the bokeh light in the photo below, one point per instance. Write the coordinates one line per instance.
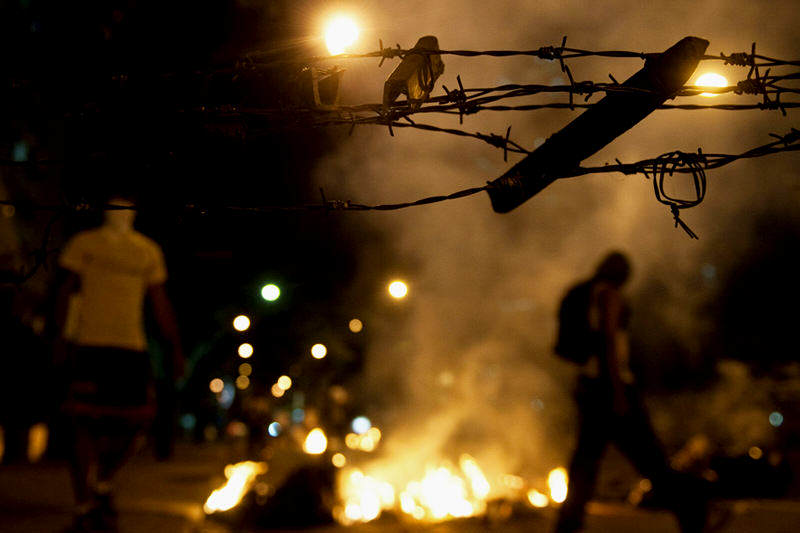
(216, 385)
(274, 429)
(398, 289)
(340, 33)
(241, 323)
(339, 460)
(316, 442)
(242, 382)
(318, 351)
(245, 369)
(361, 424)
(270, 292)
(245, 350)
(711, 79)
(277, 391)
(775, 419)
(284, 382)
(356, 325)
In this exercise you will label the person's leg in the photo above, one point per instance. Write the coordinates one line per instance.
(685, 495)
(593, 434)
(83, 462)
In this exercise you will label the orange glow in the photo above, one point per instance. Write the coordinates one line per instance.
(398, 289)
(316, 442)
(284, 382)
(356, 325)
(318, 351)
(711, 79)
(240, 477)
(537, 499)
(245, 350)
(242, 382)
(216, 385)
(557, 483)
(339, 460)
(277, 391)
(245, 369)
(241, 323)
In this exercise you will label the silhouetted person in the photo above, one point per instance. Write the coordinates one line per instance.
(112, 271)
(609, 407)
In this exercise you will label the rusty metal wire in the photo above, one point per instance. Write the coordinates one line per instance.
(551, 53)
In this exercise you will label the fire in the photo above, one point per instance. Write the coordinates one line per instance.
(316, 442)
(364, 498)
(537, 499)
(240, 478)
(557, 482)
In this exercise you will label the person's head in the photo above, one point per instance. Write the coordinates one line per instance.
(120, 219)
(614, 268)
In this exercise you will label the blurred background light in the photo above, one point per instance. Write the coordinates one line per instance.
(316, 442)
(245, 350)
(318, 351)
(340, 33)
(339, 460)
(241, 323)
(284, 382)
(361, 424)
(277, 391)
(775, 419)
(398, 289)
(270, 292)
(242, 382)
(245, 369)
(216, 385)
(274, 429)
(356, 325)
(298, 415)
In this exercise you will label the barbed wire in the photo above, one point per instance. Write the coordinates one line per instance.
(550, 53)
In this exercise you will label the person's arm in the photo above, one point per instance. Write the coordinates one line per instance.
(70, 285)
(165, 318)
(610, 314)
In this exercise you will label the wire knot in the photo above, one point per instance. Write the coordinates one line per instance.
(549, 53)
(669, 163)
(750, 86)
(738, 59)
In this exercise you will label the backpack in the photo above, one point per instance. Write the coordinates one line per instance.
(576, 341)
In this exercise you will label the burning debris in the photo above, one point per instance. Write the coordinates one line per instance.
(310, 495)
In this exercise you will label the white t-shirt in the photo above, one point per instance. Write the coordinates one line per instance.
(116, 268)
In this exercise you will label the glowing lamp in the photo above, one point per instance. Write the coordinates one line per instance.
(340, 34)
(711, 79)
(398, 289)
(318, 351)
(245, 350)
(241, 323)
(270, 292)
(316, 442)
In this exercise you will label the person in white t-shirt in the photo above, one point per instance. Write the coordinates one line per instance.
(112, 271)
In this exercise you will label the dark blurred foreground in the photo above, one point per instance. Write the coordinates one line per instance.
(168, 496)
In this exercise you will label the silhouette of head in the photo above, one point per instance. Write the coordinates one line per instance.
(614, 268)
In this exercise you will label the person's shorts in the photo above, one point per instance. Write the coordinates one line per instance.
(109, 382)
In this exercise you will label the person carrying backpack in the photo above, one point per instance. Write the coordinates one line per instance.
(593, 320)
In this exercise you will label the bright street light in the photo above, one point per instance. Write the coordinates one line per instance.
(245, 350)
(318, 351)
(711, 79)
(398, 289)
(241, 323)
(340, 33)
(270, 292)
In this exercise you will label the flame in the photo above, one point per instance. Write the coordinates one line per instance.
(537, 499)
(364, 498)
(557, 482)
(316, 442)
(240, 478)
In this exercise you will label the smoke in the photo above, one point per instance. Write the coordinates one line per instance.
(465, 364)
